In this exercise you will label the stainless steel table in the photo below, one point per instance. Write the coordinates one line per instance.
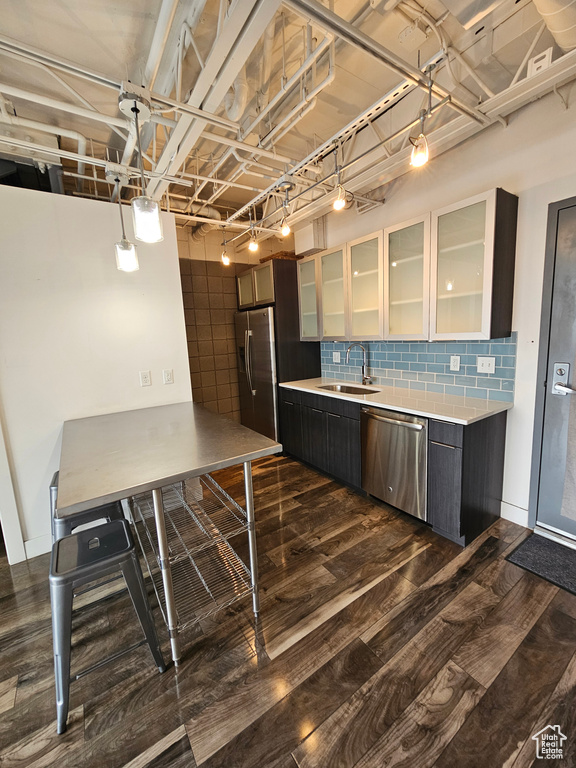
(120, 455)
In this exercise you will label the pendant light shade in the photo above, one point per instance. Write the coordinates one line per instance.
(126, 258)
(340, 201)
(147, 224)
(419, 151)
(253, 244)
(285, 228)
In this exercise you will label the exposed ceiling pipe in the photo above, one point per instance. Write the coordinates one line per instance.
(337, 25)
(55, 130)
(560, 18)
(236, 99)
(266, 66)
(159, 40)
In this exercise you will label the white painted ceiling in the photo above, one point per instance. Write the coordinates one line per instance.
(245, 51)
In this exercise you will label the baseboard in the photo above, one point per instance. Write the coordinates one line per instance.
(38, 546)
(514, 514)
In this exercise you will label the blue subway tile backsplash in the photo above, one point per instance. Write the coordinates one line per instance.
(426, 365)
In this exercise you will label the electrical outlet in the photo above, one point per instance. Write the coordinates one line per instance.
(335, 357)
(168, 376)
(485, 364)
(454, 362)
(145, 379)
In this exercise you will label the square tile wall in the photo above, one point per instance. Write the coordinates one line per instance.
(426, 366)
(209, 293)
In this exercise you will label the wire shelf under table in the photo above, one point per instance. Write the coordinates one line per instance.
(207, 573)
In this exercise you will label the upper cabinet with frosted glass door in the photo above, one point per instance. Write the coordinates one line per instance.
(406, 279)
(256, 286)
(308, 281)
(365, 294)
(472, 267)
(333, 294)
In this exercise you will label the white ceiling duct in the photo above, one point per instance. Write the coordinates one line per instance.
(560, 18)
(237, 97)
(204, 210)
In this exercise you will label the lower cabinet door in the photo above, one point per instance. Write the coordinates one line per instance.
(314, 438)
(291, 428)
(343, 442)
(445, 489)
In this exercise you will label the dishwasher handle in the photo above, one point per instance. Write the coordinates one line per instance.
(396, 422)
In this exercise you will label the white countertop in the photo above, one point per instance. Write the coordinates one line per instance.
(459, 410)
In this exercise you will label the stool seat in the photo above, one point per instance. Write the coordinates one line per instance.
(64, 526)
(79, 559)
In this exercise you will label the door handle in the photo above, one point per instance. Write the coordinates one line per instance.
(561, 389)
(248, 354)
(561, 372)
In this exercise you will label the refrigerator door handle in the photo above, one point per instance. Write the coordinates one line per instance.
(248, 353)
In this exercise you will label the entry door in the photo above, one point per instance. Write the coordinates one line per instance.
(557, 488)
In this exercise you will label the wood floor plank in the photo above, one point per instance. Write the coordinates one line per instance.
(44, 748)
(283, 726)
(353, 729)
(8, 693)
(392, 632)
(489, 648)
(173, 751)
(500, 576)
(238, 707)
(422, 732)
(511, 708)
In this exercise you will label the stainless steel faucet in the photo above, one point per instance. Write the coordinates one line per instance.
(365, 379)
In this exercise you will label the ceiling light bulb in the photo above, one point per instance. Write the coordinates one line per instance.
(285, 228)
(340, 201)
(449, 285)
(147, 224)
(225, 259)
(253, 245)
(419, 151)
(126, 257)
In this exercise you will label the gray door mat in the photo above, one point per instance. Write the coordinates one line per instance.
(546, 558)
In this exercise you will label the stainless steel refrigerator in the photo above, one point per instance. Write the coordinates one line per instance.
(256, 353)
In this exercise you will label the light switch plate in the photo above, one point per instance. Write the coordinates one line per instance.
(168, 376)
(335, 357)
(454, 362)
(145, 379)
(485, 364)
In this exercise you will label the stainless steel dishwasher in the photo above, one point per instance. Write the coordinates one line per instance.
(394, 459)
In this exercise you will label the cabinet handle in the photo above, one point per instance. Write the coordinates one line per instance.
(316, 410)
(444, 445)
(335, 415)
(287, 403)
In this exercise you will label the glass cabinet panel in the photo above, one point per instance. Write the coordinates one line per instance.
(460, 269)
(308, 304)
(332, 286)
(245, 290)
(365, 292)
(264, 284)
(407, 262)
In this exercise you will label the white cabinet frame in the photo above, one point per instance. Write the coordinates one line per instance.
(318, 336)
(425, 220)
(345, 281)
(348, 278)
(489, 225)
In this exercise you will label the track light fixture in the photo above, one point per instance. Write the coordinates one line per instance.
(145, 211)
(126, 256)
(343, 198)
(224, 256)
(284, 226)
(420, 152)
(253, 244)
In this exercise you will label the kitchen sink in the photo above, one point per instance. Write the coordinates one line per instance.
(348, 389)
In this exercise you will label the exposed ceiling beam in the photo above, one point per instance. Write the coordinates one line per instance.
(240, 33)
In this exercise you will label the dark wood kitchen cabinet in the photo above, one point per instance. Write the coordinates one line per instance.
(322, 431)
(465, 474)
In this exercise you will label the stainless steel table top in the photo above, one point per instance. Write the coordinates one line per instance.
(107, 458)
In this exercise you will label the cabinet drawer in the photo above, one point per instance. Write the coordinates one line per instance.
(446, 432)
(290, 395)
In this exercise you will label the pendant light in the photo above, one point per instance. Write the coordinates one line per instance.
(145, 211)
(284, 226)
(420, 153)
(253, 244)
(343, 198)
(126, 256)
(224, 255)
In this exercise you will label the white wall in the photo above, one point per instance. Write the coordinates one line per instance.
(209, 247)
(532, 158)
(74, 334)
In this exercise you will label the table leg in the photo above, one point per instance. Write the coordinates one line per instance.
(251, 536)
(171, 615)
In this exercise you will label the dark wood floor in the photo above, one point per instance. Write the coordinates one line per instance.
(379, 644)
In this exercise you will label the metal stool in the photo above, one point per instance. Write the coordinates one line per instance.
(65, 526)
(79, 559)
